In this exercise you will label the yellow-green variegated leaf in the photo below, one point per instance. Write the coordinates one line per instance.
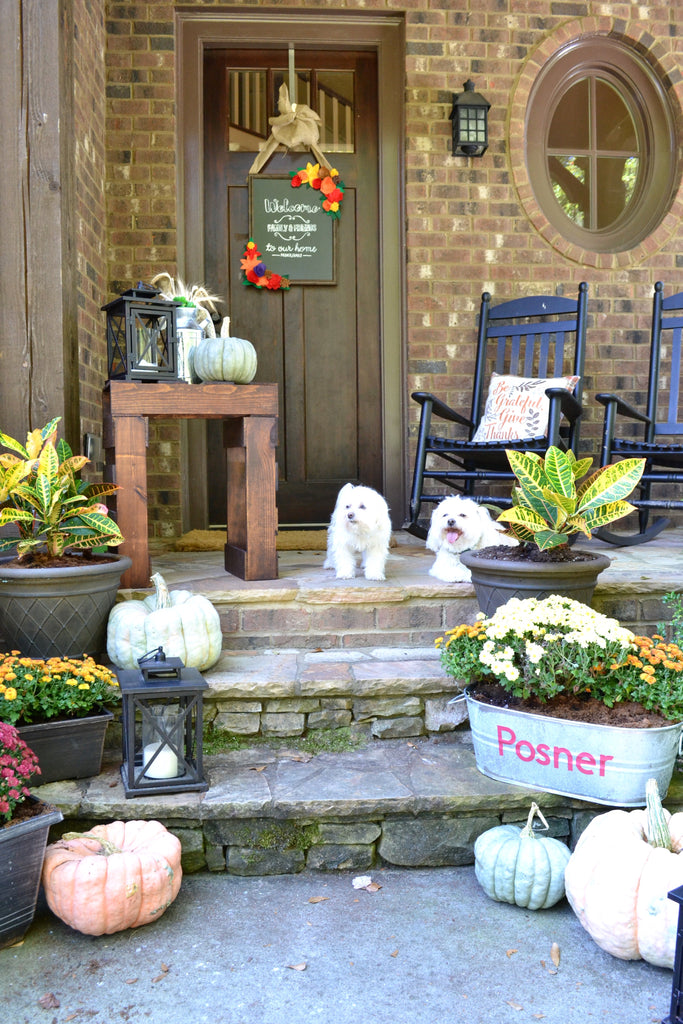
(611, 483)
(524, 516)
(549, 539)
(578, 524)
(604, 514)
(48, 463)
(532, 482)
(566, 505)
(558, 469)
(15, 515)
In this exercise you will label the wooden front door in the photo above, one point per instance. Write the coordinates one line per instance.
(319, 342)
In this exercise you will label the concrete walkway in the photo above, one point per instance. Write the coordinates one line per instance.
(428, 947)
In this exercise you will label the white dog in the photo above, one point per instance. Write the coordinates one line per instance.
(460, 524)
(360, 525)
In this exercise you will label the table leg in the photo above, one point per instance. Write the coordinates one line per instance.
(251, 551)
(129, 456)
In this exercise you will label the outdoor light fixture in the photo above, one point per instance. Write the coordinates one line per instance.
(470, 122)
(142, 341)
(162, 726)
(676, 1011)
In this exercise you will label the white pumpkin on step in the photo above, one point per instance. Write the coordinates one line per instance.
(186, 625)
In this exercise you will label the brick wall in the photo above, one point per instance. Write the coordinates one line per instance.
(471, 224)
(89, 166)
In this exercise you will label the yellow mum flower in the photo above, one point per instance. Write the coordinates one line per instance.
(83, 686)
(10, 693)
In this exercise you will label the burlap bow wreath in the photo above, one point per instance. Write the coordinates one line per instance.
(296, 125)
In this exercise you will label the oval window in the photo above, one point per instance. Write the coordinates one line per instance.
(601, 145)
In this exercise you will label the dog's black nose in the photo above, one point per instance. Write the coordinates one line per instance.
(350, 515)
(450, 522)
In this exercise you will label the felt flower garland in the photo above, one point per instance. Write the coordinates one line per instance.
(323, 180)
(257, 274)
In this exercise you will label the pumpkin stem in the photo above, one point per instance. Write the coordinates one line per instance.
(163, 599)
(656, 828)
(528, 829)
(107, 846)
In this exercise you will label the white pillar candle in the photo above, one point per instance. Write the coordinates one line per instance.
(165, 764)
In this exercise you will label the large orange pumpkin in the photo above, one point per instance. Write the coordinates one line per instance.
(121, 875)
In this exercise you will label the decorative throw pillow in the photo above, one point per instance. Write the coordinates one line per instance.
(517, 407)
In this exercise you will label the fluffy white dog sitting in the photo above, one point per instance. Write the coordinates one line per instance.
(360, 525)
(460, 524)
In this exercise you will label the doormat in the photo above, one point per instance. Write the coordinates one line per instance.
(287, 540)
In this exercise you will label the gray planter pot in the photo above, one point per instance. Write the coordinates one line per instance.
(603, 764)
(69, 749)
(496, 580)
(22, 849)
(47, 613)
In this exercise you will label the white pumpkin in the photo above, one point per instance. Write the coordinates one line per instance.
(186, 625)
(618, 877)
(231, 359)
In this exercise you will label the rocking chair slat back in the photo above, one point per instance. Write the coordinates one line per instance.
(664, 459)
(538, 337)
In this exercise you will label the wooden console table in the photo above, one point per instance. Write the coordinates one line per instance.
(250, 413)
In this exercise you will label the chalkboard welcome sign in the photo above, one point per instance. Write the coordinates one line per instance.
(294, 235)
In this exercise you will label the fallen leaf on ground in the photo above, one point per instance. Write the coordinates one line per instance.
(395, 953)
(164, 972)
(515, 1006)
(49, 1001)
(131, 981)
(555, 954)
(318, 899)
(299, 757)
(373, 887)
(509, 952)
(539, 1016)
(297, 967)
(257, 767)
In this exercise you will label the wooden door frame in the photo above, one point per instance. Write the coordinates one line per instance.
(197, 31)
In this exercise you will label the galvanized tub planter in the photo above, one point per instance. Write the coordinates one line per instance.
(603, 764)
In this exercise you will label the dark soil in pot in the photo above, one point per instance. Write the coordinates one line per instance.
(42, 560)
(530, 553)
(573, 707)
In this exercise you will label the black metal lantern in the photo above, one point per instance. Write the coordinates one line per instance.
(162, 726)
(142, 342)
(470, 122)
(676, 1011)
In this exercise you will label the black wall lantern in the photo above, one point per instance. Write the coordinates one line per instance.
(162, 726)
(676, 1011)
(470, 122)
(142, 342)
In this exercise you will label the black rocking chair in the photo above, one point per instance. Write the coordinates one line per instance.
(664, 459)
(537, 337)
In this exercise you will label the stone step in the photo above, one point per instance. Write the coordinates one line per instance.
(382, 692)
(308, 609)
(415, 803)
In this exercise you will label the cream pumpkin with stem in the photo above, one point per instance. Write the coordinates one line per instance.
(618, 877)
(185, 624)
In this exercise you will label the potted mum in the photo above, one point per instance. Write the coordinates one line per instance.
(55, 593)
(565, 699)
(61, 707)
(549, 507)
(24, 827)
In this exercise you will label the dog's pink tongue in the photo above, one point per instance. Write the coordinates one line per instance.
(452, 536)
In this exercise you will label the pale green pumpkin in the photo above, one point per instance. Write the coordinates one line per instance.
(186, 625)
(517, 865)
(229, 359)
